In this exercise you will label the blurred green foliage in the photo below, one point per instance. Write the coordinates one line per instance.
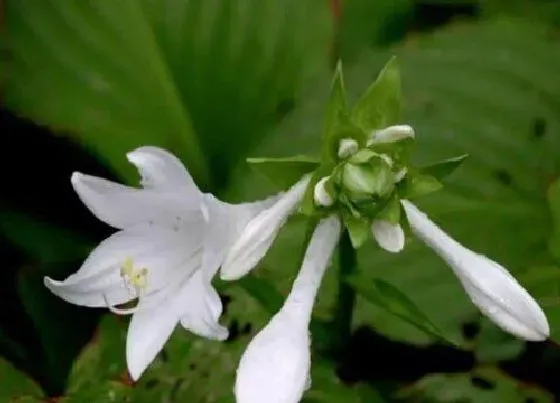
(216, 82)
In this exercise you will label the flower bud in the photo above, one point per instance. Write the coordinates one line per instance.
(320, 194)
(347, 148)
(391, 134)
(373, 178)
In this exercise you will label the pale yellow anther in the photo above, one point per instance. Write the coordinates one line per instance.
(136, 278)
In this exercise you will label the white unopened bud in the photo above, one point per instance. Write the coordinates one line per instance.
(347, 148)
(391, 134)
(320, 194)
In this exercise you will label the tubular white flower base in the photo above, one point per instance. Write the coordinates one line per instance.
(171, 241)
(275, 367)
(490, 286)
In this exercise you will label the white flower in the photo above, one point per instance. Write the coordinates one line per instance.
(170, 242)
(490, 286)
(260, 232)
(275, 366)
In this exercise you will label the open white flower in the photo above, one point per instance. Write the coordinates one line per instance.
(170, 242)
(275, 366)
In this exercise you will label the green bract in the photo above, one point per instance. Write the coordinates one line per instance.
(364, 169)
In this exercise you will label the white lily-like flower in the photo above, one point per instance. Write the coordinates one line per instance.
(170, 242)
(260, 232)
(275, 366)
(490, 286)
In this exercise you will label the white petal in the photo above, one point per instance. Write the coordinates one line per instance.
(162, 170)
(490, 286)
(260, 232)
(147, 333)
(320, 194)
(201, 308)
(275, 367)
(391, 134)
(388, 235)
(122, 206)
(166, 254)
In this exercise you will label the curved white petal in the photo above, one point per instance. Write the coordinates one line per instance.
(160, 169)
(122, 206)
(275, 366)
(388, 235)
(490, 286)
(164, 252)
(147, 333)
(260, 232)
(201, 308)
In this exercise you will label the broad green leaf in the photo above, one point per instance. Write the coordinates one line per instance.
(442, 169)
(394, 301)
(101, 78)
(380, 105)
(284, 172)
(554, 205)
(202, 78)
(481, 385)
(16, 385)
(239, 66)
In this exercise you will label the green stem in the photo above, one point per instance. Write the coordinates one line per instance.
(342, 322)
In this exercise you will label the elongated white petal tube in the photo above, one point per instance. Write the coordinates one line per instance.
(260, 232)
(388, 235)
(490, 286)
(391, 134)
(275, 366)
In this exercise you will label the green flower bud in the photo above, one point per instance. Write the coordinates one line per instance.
(373, 178)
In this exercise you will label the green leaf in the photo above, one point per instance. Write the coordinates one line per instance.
(554, 205)
(202, 78)
(442, 169)
(380, 105)
(397, 303)
(284, 172)
(101, 78)
(16, 386)
(415, 185)
(452, 388)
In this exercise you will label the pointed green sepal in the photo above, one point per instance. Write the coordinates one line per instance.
(442, 169)
(380, 105)
(416, 185)
(391, 212)
(358, 229)
(284, 172)
(336, 107)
